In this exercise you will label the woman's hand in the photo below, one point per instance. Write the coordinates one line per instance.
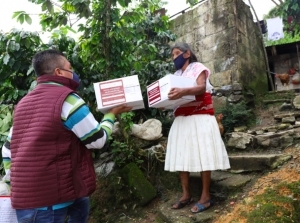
(176, 93)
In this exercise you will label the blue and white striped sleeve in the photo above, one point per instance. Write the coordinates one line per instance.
(77, 117)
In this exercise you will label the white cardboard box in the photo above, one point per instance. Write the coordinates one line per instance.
(119, 91)
(158, 91)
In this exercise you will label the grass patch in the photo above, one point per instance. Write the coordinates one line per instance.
(276, 205)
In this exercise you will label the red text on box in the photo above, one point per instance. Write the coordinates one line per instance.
(112, 92)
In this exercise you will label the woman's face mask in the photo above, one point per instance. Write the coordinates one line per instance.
(179, 61)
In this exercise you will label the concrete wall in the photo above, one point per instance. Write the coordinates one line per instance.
(225, 39)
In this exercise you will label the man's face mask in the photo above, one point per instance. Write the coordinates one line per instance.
(75, 77)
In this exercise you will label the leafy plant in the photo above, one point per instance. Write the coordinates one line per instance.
(124, 149)
(235, 115)
(119, 39)
(288, 38)
(5, 122)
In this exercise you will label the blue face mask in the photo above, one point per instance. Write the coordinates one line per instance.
(180, 61)
(75, 77)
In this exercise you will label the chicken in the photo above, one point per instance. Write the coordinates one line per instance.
(284, 79)
(221, 128)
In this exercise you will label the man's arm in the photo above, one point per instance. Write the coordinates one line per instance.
(77, 117)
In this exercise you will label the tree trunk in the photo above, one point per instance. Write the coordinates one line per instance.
(275, 3)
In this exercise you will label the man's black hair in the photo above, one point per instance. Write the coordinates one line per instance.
(45, 62)
(184, 47)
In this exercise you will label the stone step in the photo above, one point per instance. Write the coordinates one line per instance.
(276, 101)
(222, 183)
(256, 162)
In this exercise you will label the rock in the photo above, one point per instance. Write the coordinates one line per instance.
(237, 87)
(275, 140)
(104, 155)
(235, 98)
(285, 107)
(283, 126)
(219, 102)
(280, 116)
(142, 143)
(149, 130)
(105, 169)
(232, 183)
(290, 119)
(296, 102)
(138, 184)
(224, 90)
(237, 92)
(281, 160)
(240, 129)
(116, 129)
(239, 140)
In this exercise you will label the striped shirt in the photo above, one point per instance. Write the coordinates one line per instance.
(75, 116)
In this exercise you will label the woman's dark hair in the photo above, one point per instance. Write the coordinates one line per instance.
(46, 61)
(184, 47)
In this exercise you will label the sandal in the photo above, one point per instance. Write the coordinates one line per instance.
(201, 207)
(181, 204)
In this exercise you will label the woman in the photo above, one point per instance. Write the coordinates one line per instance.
(194, 143)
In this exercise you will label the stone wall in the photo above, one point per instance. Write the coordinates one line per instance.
(226, 40)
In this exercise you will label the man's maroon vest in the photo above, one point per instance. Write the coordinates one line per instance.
(49, 165)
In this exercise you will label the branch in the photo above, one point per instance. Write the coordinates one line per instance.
(275, 3)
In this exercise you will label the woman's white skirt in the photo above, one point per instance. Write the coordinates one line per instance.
(195, 145)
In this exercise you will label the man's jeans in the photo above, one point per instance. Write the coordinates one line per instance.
(77, 212)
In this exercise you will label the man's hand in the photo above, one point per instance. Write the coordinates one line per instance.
(120, 109)
(175, 93)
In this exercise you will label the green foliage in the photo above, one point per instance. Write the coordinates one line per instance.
(235, 115)
(284, 10)
(17, 76)
(123, 148)
(276, 207)
(119, 39)
(288, 38)
(5, 122)
(22, 16)
(16, 73)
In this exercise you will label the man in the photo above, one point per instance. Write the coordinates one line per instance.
(52, 172)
